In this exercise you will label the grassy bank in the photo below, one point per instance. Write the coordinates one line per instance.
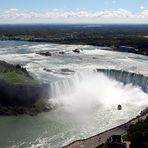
(20, 93)
(13, 77)
(15, 74)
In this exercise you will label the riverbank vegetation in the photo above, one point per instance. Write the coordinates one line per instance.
(128, 38)
(138, 134)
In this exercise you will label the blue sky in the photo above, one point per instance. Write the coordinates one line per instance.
(90, 5)
(9, 8)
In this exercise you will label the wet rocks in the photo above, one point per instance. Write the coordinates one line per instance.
(61, 52)
(77, 50)
(66, 70)
(45, 53)
(47, 70)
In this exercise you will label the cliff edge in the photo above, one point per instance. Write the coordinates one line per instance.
(20, 93)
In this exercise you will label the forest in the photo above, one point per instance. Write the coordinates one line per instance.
(128, 38)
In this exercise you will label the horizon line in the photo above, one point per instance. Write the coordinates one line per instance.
(73, 23)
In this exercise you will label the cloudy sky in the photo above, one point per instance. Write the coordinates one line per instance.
(73, 11)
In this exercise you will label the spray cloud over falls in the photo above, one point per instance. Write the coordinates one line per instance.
(89, 90)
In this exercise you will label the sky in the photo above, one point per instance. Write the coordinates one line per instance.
(73, 11)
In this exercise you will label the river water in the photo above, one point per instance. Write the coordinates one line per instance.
(87, 101)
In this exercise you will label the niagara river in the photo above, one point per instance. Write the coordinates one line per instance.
(85, 90)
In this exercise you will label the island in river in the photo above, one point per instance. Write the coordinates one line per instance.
(20, 93)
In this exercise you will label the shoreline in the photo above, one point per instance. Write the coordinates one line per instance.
(115, 49)
(98, 139)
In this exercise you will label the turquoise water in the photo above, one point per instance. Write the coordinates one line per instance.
(84, 110)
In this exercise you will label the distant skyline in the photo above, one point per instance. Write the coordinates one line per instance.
(74, 11)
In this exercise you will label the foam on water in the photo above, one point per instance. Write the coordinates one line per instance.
(86, 101)
(89, 90)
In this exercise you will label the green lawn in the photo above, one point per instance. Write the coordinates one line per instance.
(16, 78)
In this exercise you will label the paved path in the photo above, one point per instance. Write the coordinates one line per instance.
(98, 139)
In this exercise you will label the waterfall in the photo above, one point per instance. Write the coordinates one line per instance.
(68, 85)
(127, 77)
(92, 89)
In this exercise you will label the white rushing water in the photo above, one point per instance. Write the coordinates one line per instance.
(86, 100)
(89, 90)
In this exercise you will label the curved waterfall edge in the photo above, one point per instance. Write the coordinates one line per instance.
(67, 85)
(127, 78)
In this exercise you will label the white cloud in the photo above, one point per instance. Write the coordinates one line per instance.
(142, 7)
(59, 15)
(13, 9)
(144, 14)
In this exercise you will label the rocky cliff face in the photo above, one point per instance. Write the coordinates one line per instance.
(24, 95)
(19, 92)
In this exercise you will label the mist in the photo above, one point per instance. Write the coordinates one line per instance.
(88, 91)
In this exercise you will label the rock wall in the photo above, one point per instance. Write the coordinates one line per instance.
(26, 95)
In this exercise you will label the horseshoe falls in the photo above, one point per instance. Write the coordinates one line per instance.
(85, 90)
